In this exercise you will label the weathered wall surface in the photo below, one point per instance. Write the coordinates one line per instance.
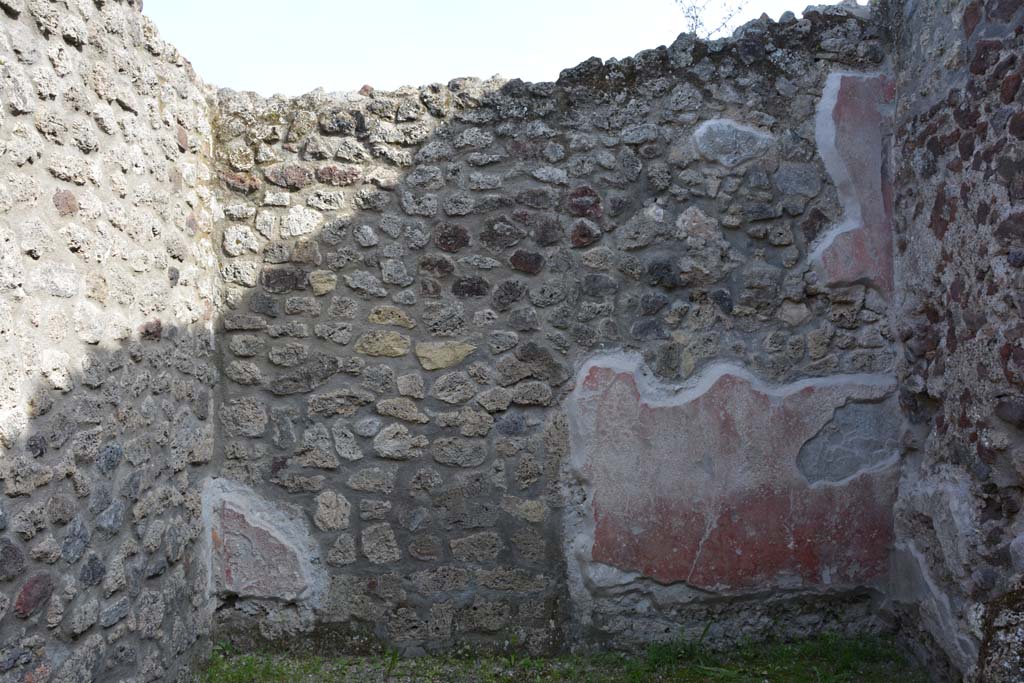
(960, 181)
(414, 277)
(108, 288)
(698, 497)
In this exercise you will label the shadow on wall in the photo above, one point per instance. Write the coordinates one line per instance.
(102, 514)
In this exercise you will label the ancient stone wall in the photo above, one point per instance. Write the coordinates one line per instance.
(960, 187)
(108, 293)
(415, 278)
(620, 358)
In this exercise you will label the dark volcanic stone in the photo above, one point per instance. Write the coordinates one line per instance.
(12, 559)
(723, 299)
(317, 370)
(110, 520)
(511, 424)
(75, 542)
(1003, 10)
(1012, 227)
(1016, 125)
(538, 198)
(36, 445)
(649, 329)
(113, 613)
(93, 570)
(661, 273)
(99, 500)
(507, 293)
(652, 303)
(1008, 90)
(585, 202)
(109, 458)
(501, 235)
(155, 566)
(548, 231)
(338, 122)
(450, 237)
(1011, 410)
(599, 284)
(437, 265)
(284, 279)
(584, 233)
(527, 261)
(471, 286)
(264, 304)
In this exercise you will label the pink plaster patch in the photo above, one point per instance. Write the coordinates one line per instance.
(257, 549)
(253, 562)
(853, 114)
(704, 486)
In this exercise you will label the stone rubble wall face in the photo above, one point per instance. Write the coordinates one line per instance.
(108, 297)
(413, 279)
(959, 175)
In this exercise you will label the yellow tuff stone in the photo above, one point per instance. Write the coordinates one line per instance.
(383, 343)
(438, 355)
(391, 315)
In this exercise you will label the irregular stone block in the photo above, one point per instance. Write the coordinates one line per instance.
(12, 559)
(380, 545)
(730, 484)
(730, 143)
(33, 594)
(383, 343)
(440, 355)
(332, 511)
(394, 442)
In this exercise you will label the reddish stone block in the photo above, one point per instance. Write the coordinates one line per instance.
(734, 485)
(1008, 89)
(65, 202)
(972, 15)
(246, 183)
(585, 202)
(1016, 125)
(289, 176)
(333, 174)
(33, 595)
(853, 113)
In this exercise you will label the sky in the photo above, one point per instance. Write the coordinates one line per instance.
(294, 46)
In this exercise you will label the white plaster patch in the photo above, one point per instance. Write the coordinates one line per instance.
(730, 143)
